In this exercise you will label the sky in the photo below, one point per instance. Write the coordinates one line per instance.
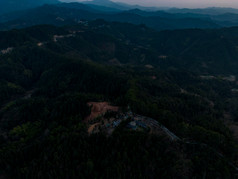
(180, 3)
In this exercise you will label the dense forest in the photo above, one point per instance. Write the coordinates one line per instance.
(184, 79)
(7, 6)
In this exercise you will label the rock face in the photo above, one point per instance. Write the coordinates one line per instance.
(16, 5)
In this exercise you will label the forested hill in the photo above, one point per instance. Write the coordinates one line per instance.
(33, 13)
(201, 51)
(72, 13)
(68, 14)
(7, 6)
(48, 75)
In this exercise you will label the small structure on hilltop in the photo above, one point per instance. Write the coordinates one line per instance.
(132, 125)
(116, 123)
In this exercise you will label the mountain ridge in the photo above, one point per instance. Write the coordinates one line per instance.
(7, 6)
(69, 13)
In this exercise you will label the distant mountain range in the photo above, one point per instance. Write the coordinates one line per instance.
(67, 13)
(59, 14)
(119, 5)
(207, 11)
(124, 6)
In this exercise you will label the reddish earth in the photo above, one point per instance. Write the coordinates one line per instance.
(90, 129)
(100, 108)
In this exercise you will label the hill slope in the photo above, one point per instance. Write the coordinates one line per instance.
(49, 74)
(67, 14)
(7, 6)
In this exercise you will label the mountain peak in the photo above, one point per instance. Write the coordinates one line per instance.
(107, 3)
(101, 2)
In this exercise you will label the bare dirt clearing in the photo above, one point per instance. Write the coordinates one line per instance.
(91, 128)
(99, 109)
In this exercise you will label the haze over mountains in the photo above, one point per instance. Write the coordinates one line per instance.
(69, 13)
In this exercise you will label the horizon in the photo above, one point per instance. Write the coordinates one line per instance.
(191, 4)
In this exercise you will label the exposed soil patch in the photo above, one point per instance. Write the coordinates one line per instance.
(91, 128)
(99, 109)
